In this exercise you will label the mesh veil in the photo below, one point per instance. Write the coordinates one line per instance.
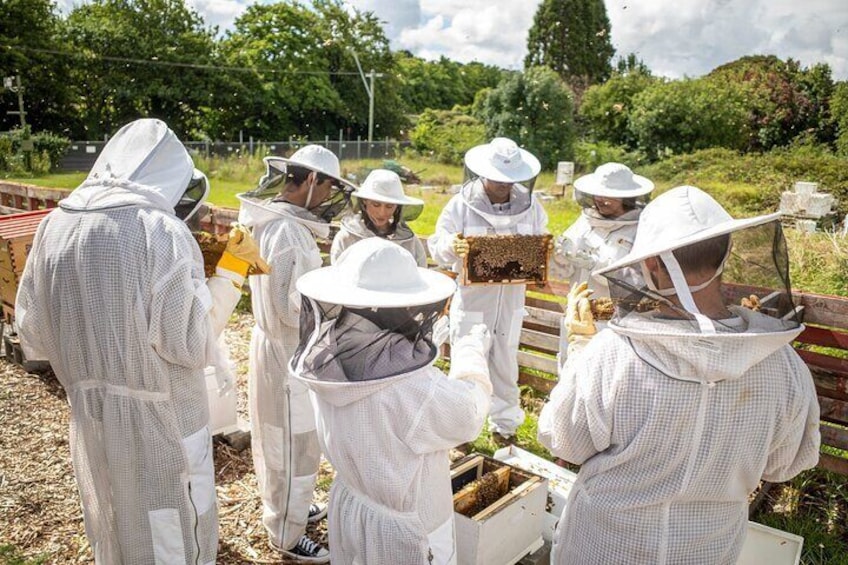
(338, 343)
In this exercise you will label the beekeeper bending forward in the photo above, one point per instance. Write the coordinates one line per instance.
(685, 402)
(114, 296)
(293, 205)
(497, 199)
(387, 417)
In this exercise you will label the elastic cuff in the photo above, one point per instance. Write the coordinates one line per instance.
(236, 278)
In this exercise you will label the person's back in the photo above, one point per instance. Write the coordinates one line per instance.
(114, 296)
(685, 402)
(387, 416)
(667, 467)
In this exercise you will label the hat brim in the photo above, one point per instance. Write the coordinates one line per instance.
(477, 160)
(589, 184)
(404, 201)
(723, 228)
(327, 285)
(349, 185)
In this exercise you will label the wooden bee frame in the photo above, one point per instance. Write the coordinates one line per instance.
(506, 259)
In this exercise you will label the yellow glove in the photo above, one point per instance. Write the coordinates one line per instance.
(242, 253)
(578, 313)
(460, 245)
(751, 302)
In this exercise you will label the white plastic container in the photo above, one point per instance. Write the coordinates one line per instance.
(223, 413)
(806, 188)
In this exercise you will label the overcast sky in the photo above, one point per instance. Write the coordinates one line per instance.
(675, 38)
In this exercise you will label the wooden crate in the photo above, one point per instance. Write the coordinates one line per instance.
(505, 528)
(506, 259)
(16, 234)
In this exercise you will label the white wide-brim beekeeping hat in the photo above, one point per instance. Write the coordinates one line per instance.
(383, 185)
(614, 180)
(501, 160)
(315, 158)
(376, 273)
(682, 216)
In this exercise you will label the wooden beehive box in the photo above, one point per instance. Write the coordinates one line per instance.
(16, 234)
(506, 259)
(499, 511)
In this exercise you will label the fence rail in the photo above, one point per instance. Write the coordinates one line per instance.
(82, 154)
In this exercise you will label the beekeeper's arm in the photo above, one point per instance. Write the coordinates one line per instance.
(455, 408)
(186, 313)
(796, 447)
(447, 246)
(30, 318)
(240, 254)
(578, 322)
(576, 422)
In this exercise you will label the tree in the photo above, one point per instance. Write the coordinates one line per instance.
(686, 115)
(141, 58)
(784, 100)
(839, 112)
(606, 108)
(447, 134)
(30, 37)
(534, 109)
(572, 37)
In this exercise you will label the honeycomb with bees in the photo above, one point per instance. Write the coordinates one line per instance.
(507, 259)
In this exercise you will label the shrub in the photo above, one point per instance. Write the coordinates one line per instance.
(445, 135)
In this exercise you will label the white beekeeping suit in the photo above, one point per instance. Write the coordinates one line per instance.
(114, 296)
(677, 412)
(611, 198)
(286, 454)
(384, 187)
(499, 307)
(387, 417)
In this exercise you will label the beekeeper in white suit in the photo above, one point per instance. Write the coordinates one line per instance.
(387, 417)
(114, 296)
(383, 210)
(611, 199)
(293, 205)
(686, 401)
(497, 199)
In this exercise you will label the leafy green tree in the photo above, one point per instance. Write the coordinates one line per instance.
(686, 115)
(839, 113)
(446, 135)
(606, 108)
(572, 37)
(30, 37)
(535, 109)
(441, 84)
(784, 100)
(141, 58)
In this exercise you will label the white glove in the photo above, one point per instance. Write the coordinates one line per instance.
(481, 333)
(568, 252)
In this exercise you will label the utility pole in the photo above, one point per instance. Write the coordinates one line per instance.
(369, 88)
(7, 83)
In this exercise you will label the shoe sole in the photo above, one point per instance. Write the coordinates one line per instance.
(317, 517)
(297, 558)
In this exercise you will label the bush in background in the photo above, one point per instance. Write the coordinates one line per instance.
(48, 150)
(445, 135)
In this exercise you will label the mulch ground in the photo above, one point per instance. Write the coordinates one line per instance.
(40, 512)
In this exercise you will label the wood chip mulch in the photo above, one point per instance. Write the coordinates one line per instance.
(40, 513)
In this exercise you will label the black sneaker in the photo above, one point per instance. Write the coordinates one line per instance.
(316, 512)
(307, 551)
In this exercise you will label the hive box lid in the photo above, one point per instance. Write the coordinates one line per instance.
(25, 223)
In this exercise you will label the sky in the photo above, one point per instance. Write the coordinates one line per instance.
(675, 38)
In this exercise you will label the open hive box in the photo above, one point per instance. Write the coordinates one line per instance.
(499, 511)
(506, 259)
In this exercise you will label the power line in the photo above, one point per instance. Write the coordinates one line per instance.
(174, 63)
